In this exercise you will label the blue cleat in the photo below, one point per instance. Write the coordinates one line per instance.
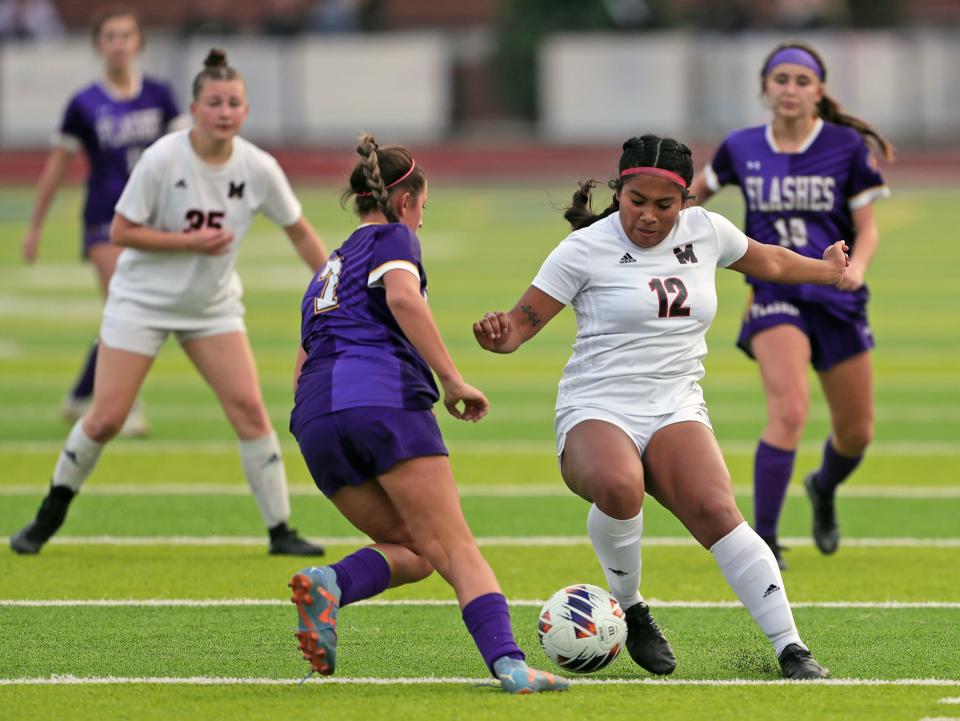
(516, 677)
(317, 595)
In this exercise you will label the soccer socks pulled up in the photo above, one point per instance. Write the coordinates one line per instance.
(834, 468)
(362, 574)
(487, 618)
(751, 570)
(77, 459)
(263, 468)
(617, 545)
(772, 468)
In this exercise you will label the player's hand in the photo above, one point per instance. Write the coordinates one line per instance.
(837, 256)
(31, 245)
(475, 404)
(853, 279)
(493, 331)
(210, 241)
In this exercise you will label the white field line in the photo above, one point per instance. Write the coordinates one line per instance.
(539, 490)
(431, 602)
(538, 541)
(485, 448)
(67, 680)
(953, 699)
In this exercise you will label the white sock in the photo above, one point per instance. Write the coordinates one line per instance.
(77, 459)
(752, 572)
(267, 478)
(617, 545)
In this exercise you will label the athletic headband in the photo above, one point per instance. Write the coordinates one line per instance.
(655, 172)
(796, 56)
(413, 164)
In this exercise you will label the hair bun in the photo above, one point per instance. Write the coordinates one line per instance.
(216, 58)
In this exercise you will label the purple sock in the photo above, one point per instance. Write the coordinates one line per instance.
(360, 575)
(834, 468)
(488, 620)
(772, 469)
(83, 388)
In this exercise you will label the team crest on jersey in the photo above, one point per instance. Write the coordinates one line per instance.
(685, 255)
(236, 190)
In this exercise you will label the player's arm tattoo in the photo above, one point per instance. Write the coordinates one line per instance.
(531, 314)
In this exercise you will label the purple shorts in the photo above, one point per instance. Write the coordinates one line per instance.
(95, 234)
(348, 447)
(832, 339)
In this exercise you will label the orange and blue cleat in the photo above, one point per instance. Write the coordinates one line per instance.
(317, 595)
(516, 677)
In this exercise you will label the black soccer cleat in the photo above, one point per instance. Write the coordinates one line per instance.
(50, 516)
(798, 664)
(777, 551)
(826, 531)
(285, 541)
(645, 642)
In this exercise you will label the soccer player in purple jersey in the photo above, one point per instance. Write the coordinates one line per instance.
(808, 178)
(365, 424)
(112, 120)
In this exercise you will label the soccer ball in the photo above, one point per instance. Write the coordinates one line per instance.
(582, 628)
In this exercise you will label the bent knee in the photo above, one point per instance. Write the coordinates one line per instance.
(248, 417)
(790, 415)
(853, 441)
(620, 497)
(102, 425)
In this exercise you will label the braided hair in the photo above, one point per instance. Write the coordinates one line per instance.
(649, 151)
(828, 108)
(215, 67)
(378, 174)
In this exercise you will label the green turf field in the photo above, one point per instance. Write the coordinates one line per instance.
(158, 600)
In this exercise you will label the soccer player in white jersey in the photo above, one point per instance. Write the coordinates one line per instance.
(630, 415)
(180, 220)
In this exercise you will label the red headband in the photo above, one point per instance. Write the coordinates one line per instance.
(655, 172)
(413, 164)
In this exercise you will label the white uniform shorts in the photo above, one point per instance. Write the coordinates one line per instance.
(143, 339)
(639, 429)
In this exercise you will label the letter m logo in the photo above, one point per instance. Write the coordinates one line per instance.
(685, 255)
(236, 190)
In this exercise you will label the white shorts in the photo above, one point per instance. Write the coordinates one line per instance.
(639, 429)
(147, 340)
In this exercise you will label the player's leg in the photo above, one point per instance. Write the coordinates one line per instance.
(687, 475)
(601, 463)
(783, 354)
(848, 388)
(119, 375)
(424, 493)
(226, 362)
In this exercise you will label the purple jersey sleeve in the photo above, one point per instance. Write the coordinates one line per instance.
(722, 170)
(865, 184)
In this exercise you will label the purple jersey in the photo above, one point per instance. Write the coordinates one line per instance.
(804, 200)
(114, 132)
(357, 355)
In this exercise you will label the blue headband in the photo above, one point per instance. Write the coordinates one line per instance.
(795, 56)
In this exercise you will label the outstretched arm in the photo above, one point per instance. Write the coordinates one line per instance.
(500, 332)
(779, 265)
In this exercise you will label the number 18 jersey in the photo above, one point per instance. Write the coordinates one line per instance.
(803, 200)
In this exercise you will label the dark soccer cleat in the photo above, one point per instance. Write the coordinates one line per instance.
(777, 551)
(50, 516)
(645, 643)
(317, 595)
(798, 664)
(826, 531)
(287, 542)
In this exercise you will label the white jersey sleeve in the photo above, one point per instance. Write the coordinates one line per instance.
(138, 202)
(566, 270)
(279, 204)
(731, 241)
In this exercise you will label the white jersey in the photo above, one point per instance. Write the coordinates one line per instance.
(172, 189)
(642, 313)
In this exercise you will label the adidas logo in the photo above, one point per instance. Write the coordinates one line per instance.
(617, 572)
(772, 588)
(72, 455)
(274, 458)
(180, 183)
(627, 258)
